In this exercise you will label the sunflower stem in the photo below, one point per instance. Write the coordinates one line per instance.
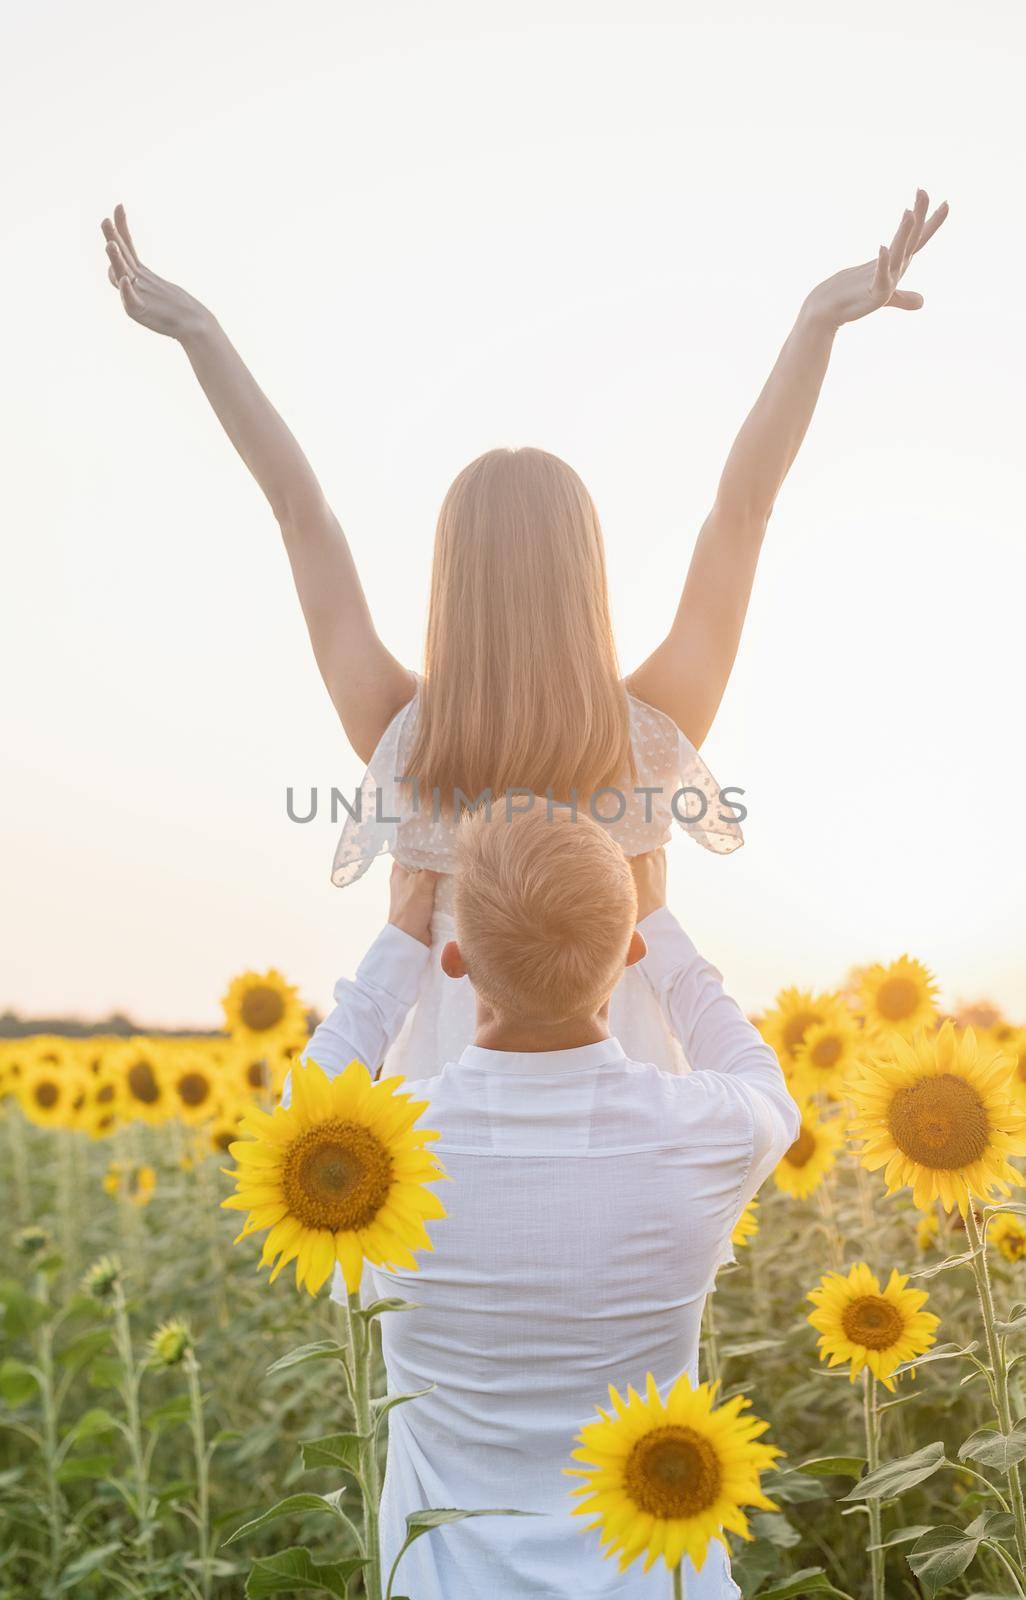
(359, 1331)
(871, 1416)
(66, 1202)
(678, 1582)
(1007, 1563)
(130, 1383)
(999, 1370)
(54, 1512)
(19, 1161)
(713, 1367)
(199, 1445)
(825, 1201)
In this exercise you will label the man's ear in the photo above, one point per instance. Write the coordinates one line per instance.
(453, 964)
(637, 949)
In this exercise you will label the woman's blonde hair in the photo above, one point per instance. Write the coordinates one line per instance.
(522, 687)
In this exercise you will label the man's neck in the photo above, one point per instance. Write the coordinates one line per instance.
(524, 1038)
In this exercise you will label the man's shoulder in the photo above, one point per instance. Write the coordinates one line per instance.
(687, 1104)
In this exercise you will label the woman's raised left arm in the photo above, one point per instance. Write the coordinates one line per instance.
(687, 674)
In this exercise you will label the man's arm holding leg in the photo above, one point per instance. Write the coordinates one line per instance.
(713, 1030)
(371, 1007)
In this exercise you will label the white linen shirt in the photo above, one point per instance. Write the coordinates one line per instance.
(593, 1201)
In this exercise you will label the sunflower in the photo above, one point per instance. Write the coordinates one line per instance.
(827, 1052)
(138, 1067)
(1007, 1233)
(795, 1012)
(260, 1008)
(747, 1224)
(665, 1478)
(134, 1181)
(169, 1344)
(900, 998)
(927, 1229)
(255, 1070)
(879, 1329)
(220, 1134)
(939, 1116)
(51, 1093)
(1014, 1048)
(337, 1175)
(102, 1110)
(14, 1056)
(807, 1162)
(194, 1086)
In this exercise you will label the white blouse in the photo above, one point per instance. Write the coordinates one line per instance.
(672, 787)
(593, 1201)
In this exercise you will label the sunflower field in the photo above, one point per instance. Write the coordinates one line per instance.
(177, 1423)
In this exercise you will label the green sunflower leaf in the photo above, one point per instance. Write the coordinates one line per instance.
(333, 1450)
(810, 1580)
(294, 1571)
(294, 1505)
(388, 1402)
(378, 1308)
(322, 1350)
(991, 1448)
(901, 1536)
(18, 1382)
(420, 1522)
(1015, 1322)
(940, 1352)
(894, 1477)
(833, 1466)
(942, 1555)
(948, 1265)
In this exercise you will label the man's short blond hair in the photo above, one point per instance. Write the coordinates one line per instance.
(545, 906)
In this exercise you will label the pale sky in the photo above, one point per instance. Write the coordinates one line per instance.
(434, 229)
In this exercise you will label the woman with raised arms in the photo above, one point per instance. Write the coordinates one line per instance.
(521, 689)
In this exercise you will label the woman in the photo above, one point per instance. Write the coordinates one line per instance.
(521, 688)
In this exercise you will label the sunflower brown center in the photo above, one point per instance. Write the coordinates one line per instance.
(896, 999)
(47, 1094)
(873, 1322)
(1013, 1246)
(940, 1122)
(193, 1088)
(262, 1007)
(825, 1052)
(673, 1472)
(104, 1094)
(796, 1029)
(803, 1149)
(256, 1074)
(336, 1175)
(142, 1080)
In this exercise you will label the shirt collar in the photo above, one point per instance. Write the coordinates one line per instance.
(540, 1063)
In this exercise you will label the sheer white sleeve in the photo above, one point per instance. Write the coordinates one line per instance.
(369, 1009)
(718, 1038)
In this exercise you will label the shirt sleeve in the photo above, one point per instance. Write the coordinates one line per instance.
(369, 1009)
(718, 1038)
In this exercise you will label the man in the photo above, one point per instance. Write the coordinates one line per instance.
(593, 1196)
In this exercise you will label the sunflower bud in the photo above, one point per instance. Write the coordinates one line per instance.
(169, 1343)
(102, 1278)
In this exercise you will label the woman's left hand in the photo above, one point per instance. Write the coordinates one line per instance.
(857, 291)
(411, 901)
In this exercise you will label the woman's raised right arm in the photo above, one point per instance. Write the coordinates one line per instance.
(366, 683)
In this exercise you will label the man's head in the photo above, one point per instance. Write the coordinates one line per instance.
(545, 916)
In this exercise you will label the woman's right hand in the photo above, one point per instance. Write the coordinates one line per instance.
(150, 300)
(650, 880)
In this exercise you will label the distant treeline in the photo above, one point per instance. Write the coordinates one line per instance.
(12, 1026)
